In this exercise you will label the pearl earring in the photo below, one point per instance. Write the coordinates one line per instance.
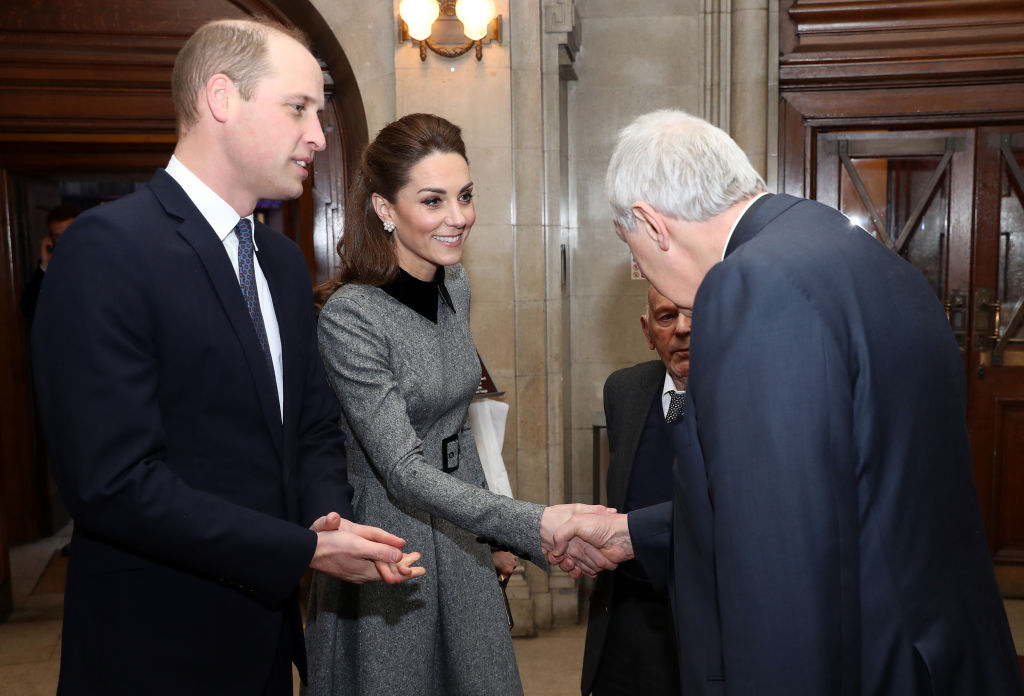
(389, 226)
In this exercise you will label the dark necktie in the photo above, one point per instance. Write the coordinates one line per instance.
(247, 280)
(675, 407)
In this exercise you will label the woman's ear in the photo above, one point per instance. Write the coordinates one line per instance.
(381, 206)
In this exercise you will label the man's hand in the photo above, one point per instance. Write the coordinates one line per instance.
(589, 542)
(359, 553)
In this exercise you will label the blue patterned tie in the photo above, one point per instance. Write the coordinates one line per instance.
(247, 279)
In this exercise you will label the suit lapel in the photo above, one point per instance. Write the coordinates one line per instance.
(204, 241)
(636, 406)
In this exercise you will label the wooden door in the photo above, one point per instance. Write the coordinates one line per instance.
(901, 114)
(949, 201)
(995, 361)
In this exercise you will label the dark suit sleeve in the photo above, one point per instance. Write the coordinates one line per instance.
(98, 371)
(773, 413)
(323, 478)
(650, 530)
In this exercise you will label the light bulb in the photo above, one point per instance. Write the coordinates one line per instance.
(420, 15)
(475, 15)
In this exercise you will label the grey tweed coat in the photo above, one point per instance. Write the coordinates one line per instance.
(405, 385)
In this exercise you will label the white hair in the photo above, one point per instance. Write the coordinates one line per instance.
(680, 165)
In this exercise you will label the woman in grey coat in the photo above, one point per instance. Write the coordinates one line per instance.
(394, 335)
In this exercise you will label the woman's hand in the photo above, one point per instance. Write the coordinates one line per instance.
(505, 564)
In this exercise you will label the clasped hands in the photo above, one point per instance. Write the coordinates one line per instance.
(580, 539)
(359, 553)
(585, 539)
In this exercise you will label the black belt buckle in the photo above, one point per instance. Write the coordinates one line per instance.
(451, 450)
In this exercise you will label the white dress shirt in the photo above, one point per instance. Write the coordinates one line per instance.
(667, 390)
(223, 218)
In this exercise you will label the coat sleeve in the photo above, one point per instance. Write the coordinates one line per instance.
(356, 356)
(650, 531)
(98, 377)
(772, 403)
(322, 470)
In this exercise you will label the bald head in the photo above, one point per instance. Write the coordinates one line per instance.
(667, 329)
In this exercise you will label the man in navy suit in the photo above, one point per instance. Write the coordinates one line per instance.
(824, 535)
(630, 647)
(191, 427)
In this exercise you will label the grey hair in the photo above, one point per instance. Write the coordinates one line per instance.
(680, 165)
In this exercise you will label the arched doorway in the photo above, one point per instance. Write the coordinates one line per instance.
(87, 98)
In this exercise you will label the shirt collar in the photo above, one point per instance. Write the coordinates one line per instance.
(217, 212)
(669, 385)
(737, 220)
(419, 295)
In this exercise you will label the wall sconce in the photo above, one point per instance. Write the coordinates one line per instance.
(449, 28)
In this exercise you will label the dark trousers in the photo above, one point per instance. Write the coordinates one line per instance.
(279, 683)
(639, 654)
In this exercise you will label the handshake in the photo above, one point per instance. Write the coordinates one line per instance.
(579, 539)
(585, 539)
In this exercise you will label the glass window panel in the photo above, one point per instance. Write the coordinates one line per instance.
(1011, 247)
(896, 185)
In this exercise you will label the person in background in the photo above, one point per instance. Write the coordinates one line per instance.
(395, 338)
(630, 647)
(190, 425)
(57, 220)
(824, 535)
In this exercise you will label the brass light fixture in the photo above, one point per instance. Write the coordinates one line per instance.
(449, 28)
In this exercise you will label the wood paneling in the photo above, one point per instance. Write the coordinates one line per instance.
(908, 42)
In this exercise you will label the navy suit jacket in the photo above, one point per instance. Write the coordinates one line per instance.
(825, 535)
(628, 394)
(191, 498)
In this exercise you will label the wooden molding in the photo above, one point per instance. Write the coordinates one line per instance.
(904, 43)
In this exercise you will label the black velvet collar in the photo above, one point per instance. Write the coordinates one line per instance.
(419, 295)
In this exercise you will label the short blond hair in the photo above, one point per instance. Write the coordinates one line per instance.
(234, 47)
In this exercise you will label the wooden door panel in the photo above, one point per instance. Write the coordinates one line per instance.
(866, 71)
(1008, 482)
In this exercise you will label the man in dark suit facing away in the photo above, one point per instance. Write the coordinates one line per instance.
(631, 647)
(191, 427)
(824, 536)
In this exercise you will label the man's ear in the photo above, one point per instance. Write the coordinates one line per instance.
(653, 223)
(220, 90)
(647, 331)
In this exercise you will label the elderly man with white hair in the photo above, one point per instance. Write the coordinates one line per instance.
(825, 535)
